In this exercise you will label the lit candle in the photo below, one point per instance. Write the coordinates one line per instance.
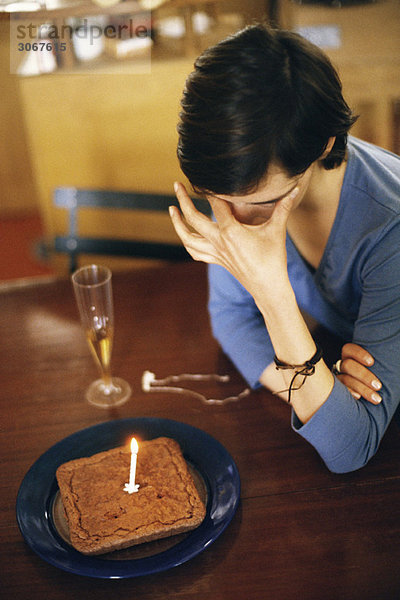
(131, 487)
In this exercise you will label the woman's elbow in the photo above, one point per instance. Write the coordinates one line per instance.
(349, 462)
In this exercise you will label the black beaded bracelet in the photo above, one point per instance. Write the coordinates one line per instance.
(305, 370)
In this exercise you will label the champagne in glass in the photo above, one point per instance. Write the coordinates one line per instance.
(93, 292)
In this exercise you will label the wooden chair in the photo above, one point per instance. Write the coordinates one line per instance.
(73, 244)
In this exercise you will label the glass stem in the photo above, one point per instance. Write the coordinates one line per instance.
(106, 377)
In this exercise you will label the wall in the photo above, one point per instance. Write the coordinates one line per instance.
(115, 131)
(17, 188)
(90, 130)
(367, 59)
(118, 130)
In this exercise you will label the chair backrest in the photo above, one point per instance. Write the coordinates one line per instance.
(73, 244)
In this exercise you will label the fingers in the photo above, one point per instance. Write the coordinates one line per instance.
(198, 247)
(222, 212)
(284, 207)
(193, 217)
(355, 360)
(358, 353)
(361, 382)
(359, 390)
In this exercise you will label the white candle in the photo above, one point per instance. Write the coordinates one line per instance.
(131, 487)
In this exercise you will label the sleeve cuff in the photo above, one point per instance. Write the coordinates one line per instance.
(336, 431)
(326, 415)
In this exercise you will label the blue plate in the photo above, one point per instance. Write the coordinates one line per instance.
(39, 490)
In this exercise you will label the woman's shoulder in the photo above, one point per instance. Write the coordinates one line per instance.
(372, 154)
(373, 176)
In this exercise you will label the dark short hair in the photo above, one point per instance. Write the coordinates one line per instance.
(260, 96)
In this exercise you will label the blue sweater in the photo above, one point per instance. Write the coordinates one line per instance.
(355, 293)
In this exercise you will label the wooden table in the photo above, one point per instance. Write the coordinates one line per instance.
(300, 532)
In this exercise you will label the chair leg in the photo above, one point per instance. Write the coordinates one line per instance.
(73, 263)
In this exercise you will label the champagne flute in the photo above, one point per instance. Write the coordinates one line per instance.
(93, 292)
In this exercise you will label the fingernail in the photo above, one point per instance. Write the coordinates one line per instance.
(171, 210)
(369, 360)
(176, 186)
(356, 395)
(376, 384)
(376, 398)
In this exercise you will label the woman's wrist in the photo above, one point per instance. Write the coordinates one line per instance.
(271, 294)
(294, 344)
(287, 329)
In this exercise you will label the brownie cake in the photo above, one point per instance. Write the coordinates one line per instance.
(103, 517)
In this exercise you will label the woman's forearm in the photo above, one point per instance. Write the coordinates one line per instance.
(293, 344)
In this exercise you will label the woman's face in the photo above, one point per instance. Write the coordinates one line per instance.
(256, 208)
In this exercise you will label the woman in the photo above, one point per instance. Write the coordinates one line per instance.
(304, 219)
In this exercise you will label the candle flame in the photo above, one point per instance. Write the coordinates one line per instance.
(134, 446)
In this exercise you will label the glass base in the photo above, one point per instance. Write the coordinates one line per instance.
(108, 396)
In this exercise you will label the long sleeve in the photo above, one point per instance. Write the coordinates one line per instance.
(238, 325)
(347, 432)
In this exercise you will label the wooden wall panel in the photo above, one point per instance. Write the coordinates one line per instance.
(368, 58)
(104, 131)
(17, 188)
